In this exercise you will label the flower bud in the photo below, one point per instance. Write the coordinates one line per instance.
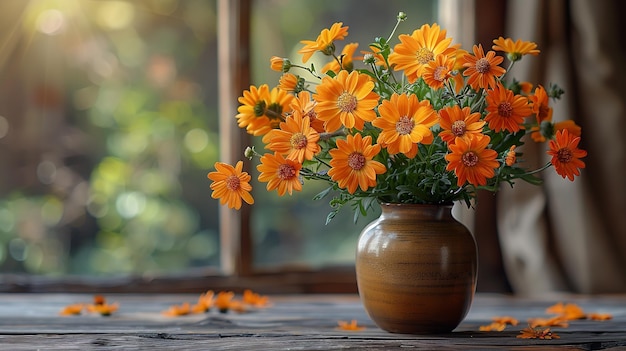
(249, 152)
(401, 16)
(369, 59)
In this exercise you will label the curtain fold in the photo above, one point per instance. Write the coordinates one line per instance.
(571, 236)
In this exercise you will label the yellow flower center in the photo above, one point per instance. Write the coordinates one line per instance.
(440, 73)
(470, 159)
(564, 155)
(483, 66)
(298, 141)
(346, 102)
(505, 109)
(424, 56)
(286, 172)
(356, 161)
(232, 182)
(405, 125)
(458, 128)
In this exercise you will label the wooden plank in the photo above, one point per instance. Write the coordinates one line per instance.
(295, 322)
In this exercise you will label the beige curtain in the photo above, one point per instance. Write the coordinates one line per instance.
(571, 236)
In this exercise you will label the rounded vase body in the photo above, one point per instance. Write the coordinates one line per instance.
(416, 269)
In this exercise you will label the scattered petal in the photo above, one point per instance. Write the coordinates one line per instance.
(351, 326)
(178, 310)
(599, 316)
(72, 310)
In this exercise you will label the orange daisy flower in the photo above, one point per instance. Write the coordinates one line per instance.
(457, 122)
(324, 41)
(253, 105)
(405, 121)
(539, 103)
(505, 110)
(295, 139)
(352, 163)
(280, 174)
(471, 160)
(482, 69)
(346, 100)
(438, 71)
(346, 58)
(231, 185)
(566, 155)
(515, 49)
(289, 82)
(570, 125)
(415, 51)
(305, 105)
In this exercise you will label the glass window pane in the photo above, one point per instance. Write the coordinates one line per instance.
(291, 230)
(108, 127)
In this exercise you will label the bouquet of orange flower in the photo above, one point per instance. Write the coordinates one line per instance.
(424, 122)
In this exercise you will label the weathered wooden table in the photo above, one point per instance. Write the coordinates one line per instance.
(300, 322)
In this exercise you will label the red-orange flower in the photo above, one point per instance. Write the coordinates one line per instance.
(566, 156)
(482, 69)
(459, 122)
(231, 185)
(405, 121)
(324, 41)
(415, 51)
(472, 161)
(352, 163)
(280, 173)
(346, 100)
(295, 139)
(505, 110)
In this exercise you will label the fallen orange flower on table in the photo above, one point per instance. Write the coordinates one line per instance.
(499, 323)
(72, 310)
(556, 321)
(205, 302)
(537, 333)
(178, 310)
(223, 300)
(103, 309)
(351, 326)
(568, 311)
(254, 299)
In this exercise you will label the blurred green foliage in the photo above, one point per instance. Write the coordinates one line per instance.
(105, 167)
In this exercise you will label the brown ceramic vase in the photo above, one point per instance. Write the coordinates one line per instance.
(416, 269)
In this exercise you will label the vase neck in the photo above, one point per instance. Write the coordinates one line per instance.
(417, 211)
